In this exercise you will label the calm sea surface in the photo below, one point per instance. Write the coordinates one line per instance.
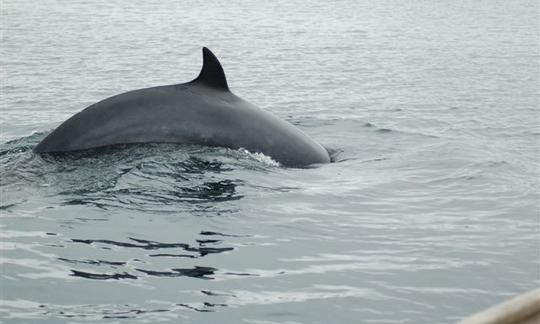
(430, 212)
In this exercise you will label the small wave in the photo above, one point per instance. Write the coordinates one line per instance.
(201, 251)
(102, 276)
(32, 310)
(93, 262)
(398, 131)
(195, 272)
(320, 292)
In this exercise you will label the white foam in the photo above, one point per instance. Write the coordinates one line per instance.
(265, 159)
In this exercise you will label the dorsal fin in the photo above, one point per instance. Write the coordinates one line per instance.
(212, 74)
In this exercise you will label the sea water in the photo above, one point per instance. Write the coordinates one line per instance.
(429, 213)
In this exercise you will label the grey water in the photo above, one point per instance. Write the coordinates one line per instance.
(429, 213)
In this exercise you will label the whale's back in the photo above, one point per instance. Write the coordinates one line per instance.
(202, 112)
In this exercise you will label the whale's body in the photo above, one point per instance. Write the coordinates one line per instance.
(203, 112)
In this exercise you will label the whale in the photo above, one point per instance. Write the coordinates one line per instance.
(203, 111)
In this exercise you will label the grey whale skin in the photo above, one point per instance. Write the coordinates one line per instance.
(203, 112)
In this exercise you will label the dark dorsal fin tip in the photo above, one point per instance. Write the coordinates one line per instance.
(212, 74)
